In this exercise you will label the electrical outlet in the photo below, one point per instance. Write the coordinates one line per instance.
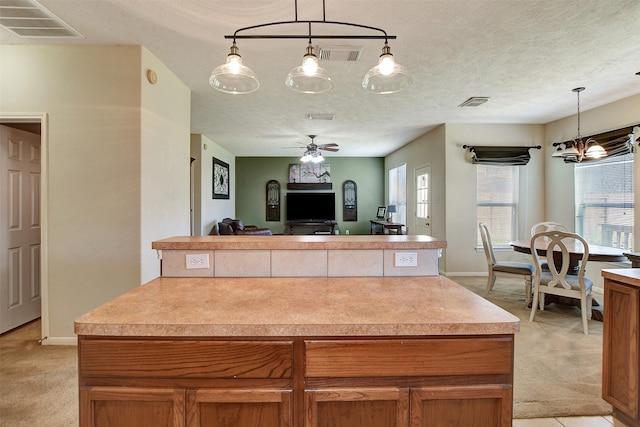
(406, 259)
(197, 261)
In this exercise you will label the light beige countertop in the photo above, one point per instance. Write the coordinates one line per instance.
(284, 242)
(629, 276)
(286, 307)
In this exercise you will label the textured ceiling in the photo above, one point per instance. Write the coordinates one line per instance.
(524, 55)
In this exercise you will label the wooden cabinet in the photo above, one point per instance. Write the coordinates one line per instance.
(132, 406)
(420, 382)
(620, 356)
(297, 382)
(247, 407)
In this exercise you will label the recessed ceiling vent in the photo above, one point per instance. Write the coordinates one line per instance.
(28, 19)
(474, 101)
(339, 53)
(316, 116)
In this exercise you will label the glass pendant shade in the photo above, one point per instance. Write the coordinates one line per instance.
(309, 77)
(595, 151)
(233, 77)
(571, 151)
(387, 76)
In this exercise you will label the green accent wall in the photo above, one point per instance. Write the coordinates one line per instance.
(253, 173)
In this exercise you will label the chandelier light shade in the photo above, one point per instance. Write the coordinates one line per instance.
(309, 77)
(388, 76)
(234, 77)
(577, 150)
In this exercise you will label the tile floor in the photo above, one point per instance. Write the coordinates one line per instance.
(601, 421)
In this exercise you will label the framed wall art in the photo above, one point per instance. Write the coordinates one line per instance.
(220, 179)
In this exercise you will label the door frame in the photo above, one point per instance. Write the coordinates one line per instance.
(43, 119)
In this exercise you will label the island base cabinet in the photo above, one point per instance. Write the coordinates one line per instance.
(474, 406)
(464, 381)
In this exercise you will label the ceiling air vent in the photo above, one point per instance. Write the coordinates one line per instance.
(316, 116)
(474, 101)
(28, 19)
(339, 53)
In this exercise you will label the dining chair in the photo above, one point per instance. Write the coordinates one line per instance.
(547, 226)
(558, 280)
(497, 268)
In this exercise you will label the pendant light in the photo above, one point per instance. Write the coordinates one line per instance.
(578, 150)
(234, 77)
(309, 77)
(388, 76)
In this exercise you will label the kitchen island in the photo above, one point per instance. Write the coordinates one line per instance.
(297, 351)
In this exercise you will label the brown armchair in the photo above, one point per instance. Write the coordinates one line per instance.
(230, 226)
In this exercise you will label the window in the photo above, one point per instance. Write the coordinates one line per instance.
(398, 192)
(497, 202)
(604, 201)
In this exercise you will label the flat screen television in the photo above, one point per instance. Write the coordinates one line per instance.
(311, 207)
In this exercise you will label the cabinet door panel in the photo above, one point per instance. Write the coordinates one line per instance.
(383, 407)
(239, 408)
(124, 406)
(620, 347)
(472, 406)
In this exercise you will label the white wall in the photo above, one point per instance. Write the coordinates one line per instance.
(164, 174)
(208, 211)
(97, 149)
(463, 254)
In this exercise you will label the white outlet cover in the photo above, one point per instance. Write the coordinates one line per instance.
(194, 261)
(406, 259)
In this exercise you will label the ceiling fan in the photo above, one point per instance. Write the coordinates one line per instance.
(313, 154)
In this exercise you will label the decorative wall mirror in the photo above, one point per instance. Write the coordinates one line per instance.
(273, 200)
(350, 201)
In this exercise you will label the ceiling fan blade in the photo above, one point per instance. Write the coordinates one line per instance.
(329, 148)
(332, 144)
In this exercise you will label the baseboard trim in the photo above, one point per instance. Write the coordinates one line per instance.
(60, 341)
(466, 274)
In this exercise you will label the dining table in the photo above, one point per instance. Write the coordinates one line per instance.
(597, 253)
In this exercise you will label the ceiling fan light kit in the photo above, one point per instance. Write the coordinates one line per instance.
(235, 78)
(577, 150)
(312, 152)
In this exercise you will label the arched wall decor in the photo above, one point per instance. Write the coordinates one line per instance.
(350, 201)
(273, 201)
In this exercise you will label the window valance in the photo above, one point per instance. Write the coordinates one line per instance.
(500, 155)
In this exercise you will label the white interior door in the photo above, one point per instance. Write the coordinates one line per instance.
(20, 291)
(423, 200)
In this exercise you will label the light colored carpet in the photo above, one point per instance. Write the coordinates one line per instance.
(38, 384)
(557, 368)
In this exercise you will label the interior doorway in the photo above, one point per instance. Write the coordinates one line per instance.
(20, 223)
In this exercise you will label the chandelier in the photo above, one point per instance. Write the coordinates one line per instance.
(578, 150)
(236, 78)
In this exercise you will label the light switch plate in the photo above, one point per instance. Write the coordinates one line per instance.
(197, 261)
(406, 259)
